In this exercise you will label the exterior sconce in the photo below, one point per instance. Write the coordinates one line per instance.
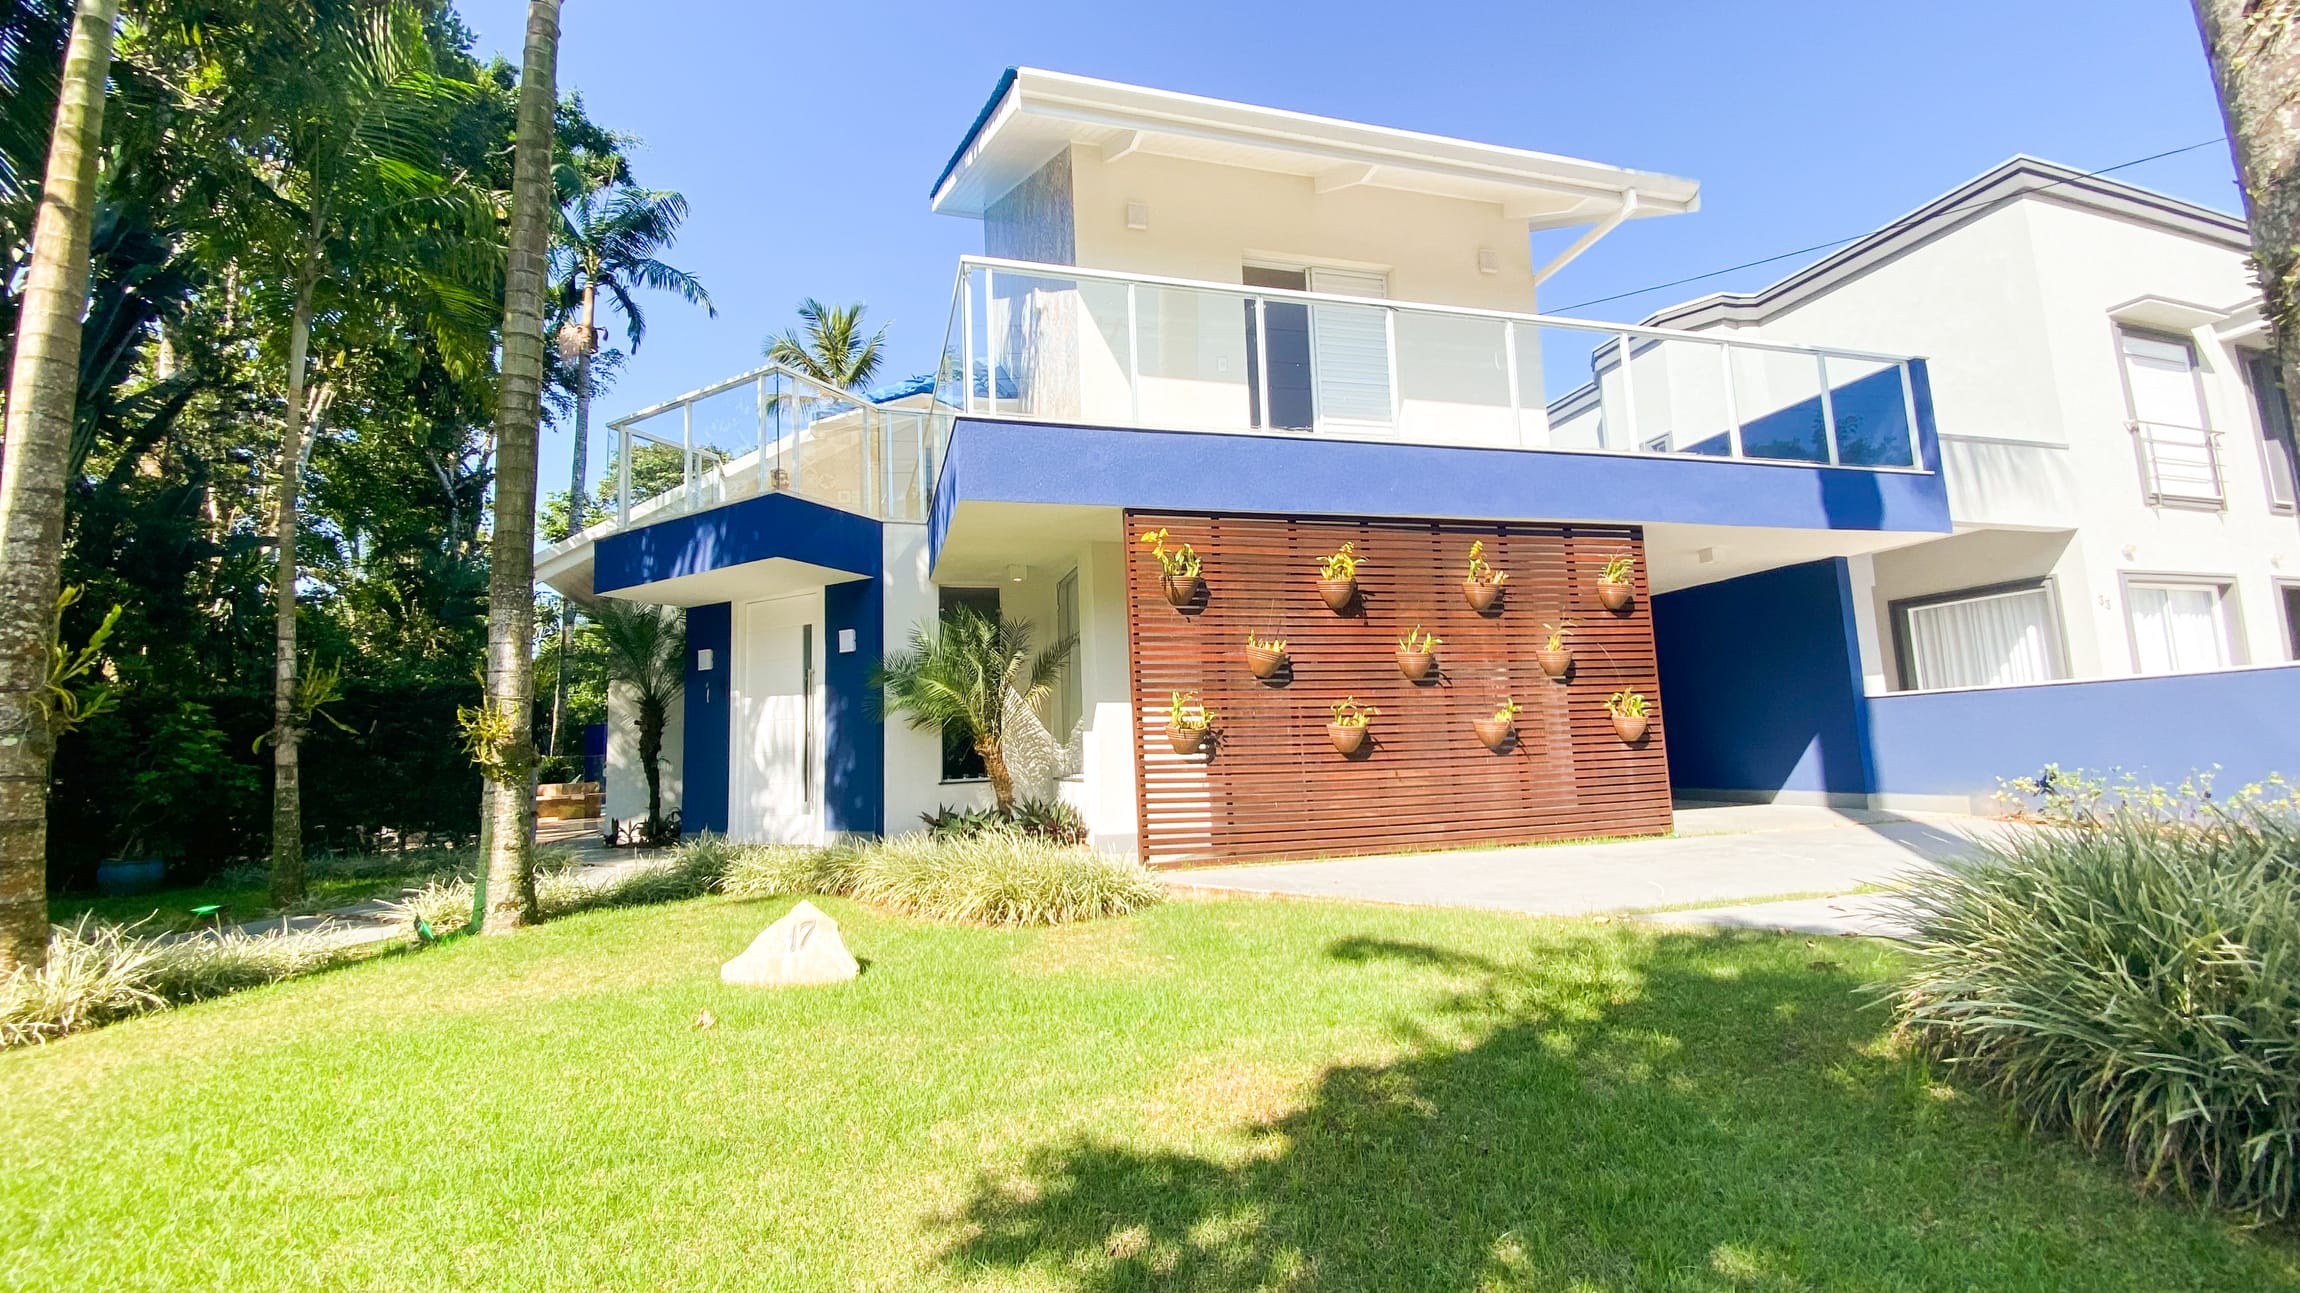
(1137, 215)
(1488, 261)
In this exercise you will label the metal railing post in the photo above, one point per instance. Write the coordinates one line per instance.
(1397, 385)
(1628, 395)
(765, 404)
(623, 478)
(1133, 357)
(1828, 407)
(1262, 362)
(992, 342)
(1732, 402)
(1509, 363)
(1909, 409)
(966, 337)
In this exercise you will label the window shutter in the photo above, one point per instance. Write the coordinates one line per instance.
(1351, 349)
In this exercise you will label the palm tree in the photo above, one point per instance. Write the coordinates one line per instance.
(833, 349)
(42, 386)
(508, 899)
(646, 651)
(2254, 50)
(959, 675)
(609, 239)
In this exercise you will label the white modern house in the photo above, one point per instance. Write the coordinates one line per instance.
(1942, 483)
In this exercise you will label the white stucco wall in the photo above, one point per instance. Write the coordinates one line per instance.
(626, 780)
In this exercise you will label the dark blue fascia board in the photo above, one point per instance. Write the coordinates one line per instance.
(1029, 462)
(754, 529)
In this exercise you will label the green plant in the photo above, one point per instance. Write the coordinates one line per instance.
(1480, 572)
(1507, 711)
(1627, 703)
(1618, 570)
(1277, 645)
(1177, 562)
(2131, 980)
(67, 704)
(1419, 642)
(1047, 819)
(645, 648)
(960, 675)
(1186, 711)
(99, 973)
(1348, 712)
(999, 878)
(1342, 563)
(1558, 633)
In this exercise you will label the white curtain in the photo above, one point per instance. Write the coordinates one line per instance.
(2000, 640)
(2178, 627)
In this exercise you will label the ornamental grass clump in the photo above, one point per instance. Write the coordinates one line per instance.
(999, 878)
(2135, 980)
(100, 973)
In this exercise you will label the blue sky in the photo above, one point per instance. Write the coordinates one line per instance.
(806, 137)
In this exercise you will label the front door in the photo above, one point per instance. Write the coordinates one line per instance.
(775, 780)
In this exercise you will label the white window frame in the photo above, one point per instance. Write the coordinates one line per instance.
(2269, 473)
(2144, 434)
(2231, 614)
(1904, 640)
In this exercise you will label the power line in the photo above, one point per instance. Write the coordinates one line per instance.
(1825, 246)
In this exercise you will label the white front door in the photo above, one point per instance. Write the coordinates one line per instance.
(775, 781)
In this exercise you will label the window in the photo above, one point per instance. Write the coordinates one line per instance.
(960, 762)
(2178, 463)
(2180, 625)
(1990, 638)
(1069, 702)
(2274, 410)
(2289, 594)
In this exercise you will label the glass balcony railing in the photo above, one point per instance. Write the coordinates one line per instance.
(773, 430)
(1065, 344)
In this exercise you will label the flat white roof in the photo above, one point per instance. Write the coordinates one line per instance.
(1033, 115)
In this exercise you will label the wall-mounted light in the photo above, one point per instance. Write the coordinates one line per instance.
(1137, 215)
(2131, 550)
(703, 660)
(1488, 261)
(1705, 555)
(846, 641)
(1015, 574)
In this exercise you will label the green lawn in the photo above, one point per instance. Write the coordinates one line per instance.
(170, 909)
(1212, 1095)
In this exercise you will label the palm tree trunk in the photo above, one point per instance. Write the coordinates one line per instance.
(2254, 49)
(653, 717)
(287, 883)
(1001, 780)
(575, 497)
(518, 410)
(43, 385)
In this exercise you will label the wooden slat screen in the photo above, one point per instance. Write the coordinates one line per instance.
(1273, 786)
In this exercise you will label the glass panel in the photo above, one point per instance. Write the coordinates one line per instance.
(1872, 412)
(2275, 413)
(1995, 641)
(1779, 395)
(1560, 368)
(1678, 392)
(1453, 380)
(1193, 351)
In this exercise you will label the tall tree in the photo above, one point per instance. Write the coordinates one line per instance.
(509, 828)
(342, 185)
(2254, 49)
(611, 237)
(43, 383)
(831, 348)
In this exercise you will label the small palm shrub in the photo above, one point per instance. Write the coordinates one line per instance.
(2133, 979)
(100, 973)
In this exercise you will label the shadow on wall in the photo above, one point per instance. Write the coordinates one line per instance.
(1691, 1111)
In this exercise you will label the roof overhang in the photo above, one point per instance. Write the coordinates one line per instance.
(1033, 115)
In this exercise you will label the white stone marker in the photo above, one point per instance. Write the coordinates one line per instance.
(803, 947)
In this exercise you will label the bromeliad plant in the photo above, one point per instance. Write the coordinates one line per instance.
(1555, 659)
(1347, 729)
(1338, 576)
(1414, 652)
(1188, 719)
(1483, 583)
(1630, 714)
(1613, 582)
(1497, 731)
(1265, 656)
(1178, 566)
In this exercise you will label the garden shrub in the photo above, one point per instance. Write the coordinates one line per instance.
(992, 877)
(2132, 977)
(1046, 819)
(99, 973)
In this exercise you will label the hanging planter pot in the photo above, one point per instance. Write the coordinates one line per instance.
(1265, 662)
(1613, 596)
(1630, 727)
(1180, 590)
(1348, 738)
(1483, 597)
(1415, 665)
(1338, 593)
(1495, 733)
(1186, 740)
(1555, 663)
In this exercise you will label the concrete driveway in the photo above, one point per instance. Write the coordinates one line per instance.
(1721, 861)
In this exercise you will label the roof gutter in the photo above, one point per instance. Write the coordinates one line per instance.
(1589, 239)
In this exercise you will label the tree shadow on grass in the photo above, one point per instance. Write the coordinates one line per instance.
(1695, 1111)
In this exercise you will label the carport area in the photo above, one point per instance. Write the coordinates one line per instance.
(1754, 865)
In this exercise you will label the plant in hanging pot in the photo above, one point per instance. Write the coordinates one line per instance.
(1187, 722)
(1556, 661)
(1178, 567)
(1483, 584)
(1266, 657)
(1338, 577)
(1630, 714)
(1348, 729)
(1613, 587)
(1415, 653)
(1498, 731)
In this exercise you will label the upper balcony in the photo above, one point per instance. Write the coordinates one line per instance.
(1064, 344)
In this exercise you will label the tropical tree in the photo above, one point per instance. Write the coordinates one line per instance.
(831, 348)
(645, 649)
(507, 900)
(959, 676)
(43, 383)
(610, 239)
(2254, 49)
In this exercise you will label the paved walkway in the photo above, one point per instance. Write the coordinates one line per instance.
(1722, 859)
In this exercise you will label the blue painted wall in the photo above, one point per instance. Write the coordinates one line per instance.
(1761, 683)
(854, 742)
(703, 765)
(755, 529)
(1761, 691)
